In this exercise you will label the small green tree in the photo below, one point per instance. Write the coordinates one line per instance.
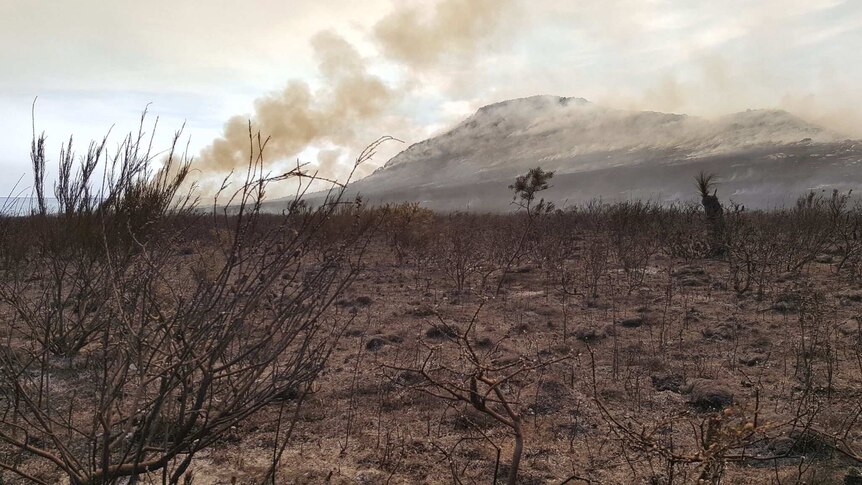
(527, 186)
(525, 189)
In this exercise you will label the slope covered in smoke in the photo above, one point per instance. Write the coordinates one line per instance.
(764, 156)
(552, 128)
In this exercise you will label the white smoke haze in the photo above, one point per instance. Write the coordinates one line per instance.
(702, 58)
(558, 132)
(714, 86)
(328, 159)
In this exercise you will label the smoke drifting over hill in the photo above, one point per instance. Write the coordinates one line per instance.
(350, 97)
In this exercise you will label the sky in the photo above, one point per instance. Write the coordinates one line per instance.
(324, 78)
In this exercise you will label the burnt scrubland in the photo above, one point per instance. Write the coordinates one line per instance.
(148, 338)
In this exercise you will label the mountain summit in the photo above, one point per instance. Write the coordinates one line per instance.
(762, 157)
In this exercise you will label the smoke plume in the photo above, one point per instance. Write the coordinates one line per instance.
(297, 117)
(454, 28)
(354, 107)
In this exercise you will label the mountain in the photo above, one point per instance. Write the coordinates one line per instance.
(763, 158)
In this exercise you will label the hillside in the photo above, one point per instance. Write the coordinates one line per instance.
(763, 157)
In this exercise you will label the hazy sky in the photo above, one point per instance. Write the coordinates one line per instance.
(326, 77)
